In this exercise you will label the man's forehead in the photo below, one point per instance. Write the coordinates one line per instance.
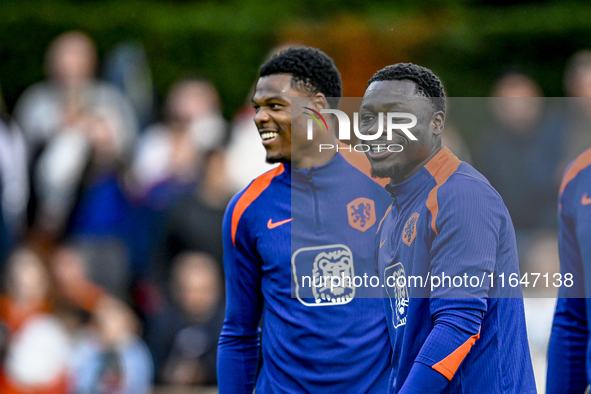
(274, 85)
(402, 88)
(391, 93)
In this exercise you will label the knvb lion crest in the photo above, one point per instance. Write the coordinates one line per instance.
(362, 213)
(397, 293)
(338, 264)
(323, 275)
(410, 229)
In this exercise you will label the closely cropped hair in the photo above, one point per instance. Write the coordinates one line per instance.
(311, 70)
(428, 84)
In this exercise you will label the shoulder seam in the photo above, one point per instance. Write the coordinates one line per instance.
(250, 194)
(582, 162)
(441, 167)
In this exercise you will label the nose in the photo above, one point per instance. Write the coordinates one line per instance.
(377, 125)
(261, 117)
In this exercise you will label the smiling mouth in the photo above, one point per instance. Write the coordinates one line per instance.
(268, 135)
(378, 152)
(380, 149)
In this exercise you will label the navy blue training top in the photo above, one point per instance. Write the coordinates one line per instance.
(284, 232)
(443, 247)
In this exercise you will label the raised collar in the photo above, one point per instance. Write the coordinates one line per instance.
(441, 165)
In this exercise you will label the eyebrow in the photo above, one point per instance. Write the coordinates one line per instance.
(267, 99)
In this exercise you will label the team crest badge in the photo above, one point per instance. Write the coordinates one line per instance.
(362, 213)
(410, 229)
(395, 279)
(323, 275)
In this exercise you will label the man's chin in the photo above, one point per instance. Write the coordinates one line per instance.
(379, 173)
(393, 172)
(276, 159)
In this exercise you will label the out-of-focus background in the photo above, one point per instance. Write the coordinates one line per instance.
(125, 128)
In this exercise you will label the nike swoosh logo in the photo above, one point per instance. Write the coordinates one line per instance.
(585, 200)
(271, 225)
(382, 242)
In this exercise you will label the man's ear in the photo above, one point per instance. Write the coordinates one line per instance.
(319, 102)
(437, 122)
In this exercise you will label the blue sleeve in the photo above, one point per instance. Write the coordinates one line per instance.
(456, 328)
(468, 226)
(423, 379)
(238, 346)
(568, 347)
(568, 342)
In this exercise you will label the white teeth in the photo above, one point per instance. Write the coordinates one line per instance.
(268, 135)
(378, 148)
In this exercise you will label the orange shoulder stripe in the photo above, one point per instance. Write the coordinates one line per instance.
(250, 194)
(441, 166)
(580, 163)
(449, 365)
(382, 221)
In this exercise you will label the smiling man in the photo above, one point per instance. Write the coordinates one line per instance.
(314, 216)
(445, 221)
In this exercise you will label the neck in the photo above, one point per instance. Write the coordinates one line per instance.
(314, 160)
(418, 166)
(313, 156)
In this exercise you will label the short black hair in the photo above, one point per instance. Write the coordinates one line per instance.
(310, 69)
(428, 84)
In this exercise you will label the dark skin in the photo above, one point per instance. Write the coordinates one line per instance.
(401, 96)
(284, 131)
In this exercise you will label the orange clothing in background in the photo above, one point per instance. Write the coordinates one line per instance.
(15, 316)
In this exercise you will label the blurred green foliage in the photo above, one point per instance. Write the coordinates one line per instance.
(226, 40)
(538, 39)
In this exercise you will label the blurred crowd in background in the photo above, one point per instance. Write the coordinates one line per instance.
(112, 207)
(111, 220)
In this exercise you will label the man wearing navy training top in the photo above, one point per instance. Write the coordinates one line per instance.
(445, 220)
(569, 355)
(314, 215)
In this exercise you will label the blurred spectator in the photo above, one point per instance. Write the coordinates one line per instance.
(37, 347)
(36, 360)
(577, 75)
(26, 289)
(577, 84)
(73, 286)
(79, 131)
(452, 138)
(65, 161)
(195, 221)
(126, 66)
(170, 155)
(520, 151)
(61, 103)
(100, 223)
(79, 180)
(110, 358)
(4, 238)
(107, 356)
(183, 336)
(14, 176)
